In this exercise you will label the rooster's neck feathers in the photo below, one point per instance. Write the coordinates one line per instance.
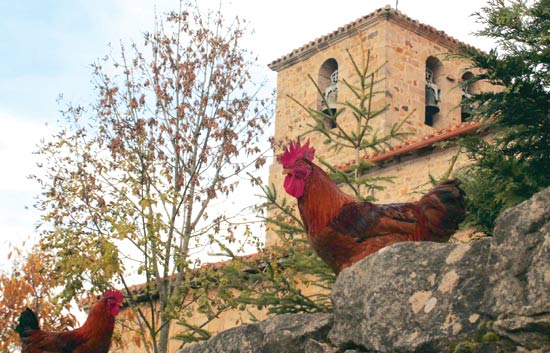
(321, 200)
(100, 319)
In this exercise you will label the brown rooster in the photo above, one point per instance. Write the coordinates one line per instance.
(92, 337)
(343, 230)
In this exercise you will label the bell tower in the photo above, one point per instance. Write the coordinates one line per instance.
(419, 78)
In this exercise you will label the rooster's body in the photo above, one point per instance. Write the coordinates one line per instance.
(343, 230)
(92, 337)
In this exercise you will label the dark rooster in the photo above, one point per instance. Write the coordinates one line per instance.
(92, 337)
(343, 230)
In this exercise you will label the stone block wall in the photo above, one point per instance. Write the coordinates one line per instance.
(411, 174)
(128, 341)
(291, 120)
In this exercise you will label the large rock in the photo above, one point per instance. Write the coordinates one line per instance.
(283, 333)
(518, 292)
(426, 297)
(490, 295)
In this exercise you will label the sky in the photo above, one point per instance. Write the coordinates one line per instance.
(47, 46)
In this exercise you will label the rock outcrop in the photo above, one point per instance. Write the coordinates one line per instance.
(489, 295)
(282, 333)
(425, 297)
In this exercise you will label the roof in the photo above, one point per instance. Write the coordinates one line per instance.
(383, 14)
(143, 292)
(418, 142)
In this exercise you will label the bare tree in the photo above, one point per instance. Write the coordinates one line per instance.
(129, 182)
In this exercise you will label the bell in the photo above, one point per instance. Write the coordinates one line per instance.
(331, 95)
(432, 104)
(330, 108)
(330, 123)
(330, 98)
(465, 107)
(465, 111)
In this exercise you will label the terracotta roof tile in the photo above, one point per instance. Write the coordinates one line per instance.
(416, 143)
(139, 290)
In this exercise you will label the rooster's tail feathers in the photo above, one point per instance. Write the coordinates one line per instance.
(27, 323)
(443, 209)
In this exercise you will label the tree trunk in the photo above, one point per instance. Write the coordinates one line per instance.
(164, 335)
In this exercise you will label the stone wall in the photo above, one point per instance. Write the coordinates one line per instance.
(129, 340)
(411, 174)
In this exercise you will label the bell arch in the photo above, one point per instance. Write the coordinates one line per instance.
(328, 84)
(468, 89)
(434, 69)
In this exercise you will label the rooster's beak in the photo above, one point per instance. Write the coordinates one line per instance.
(286, 171)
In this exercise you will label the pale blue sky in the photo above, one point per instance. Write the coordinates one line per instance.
(46, 47)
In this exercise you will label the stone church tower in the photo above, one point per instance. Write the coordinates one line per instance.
(419, 77)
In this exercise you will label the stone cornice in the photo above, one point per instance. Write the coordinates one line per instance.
(383, 14)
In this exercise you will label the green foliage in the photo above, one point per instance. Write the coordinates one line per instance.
(484, 339)
(515, 162)
(292, 277)
(289, 277)
(286, 277)
(494, 183)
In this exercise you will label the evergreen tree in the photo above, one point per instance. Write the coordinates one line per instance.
(514, 161)
(289, 276)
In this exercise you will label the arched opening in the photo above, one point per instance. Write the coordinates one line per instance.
(432, 98)
(468, 89)
(328, 84)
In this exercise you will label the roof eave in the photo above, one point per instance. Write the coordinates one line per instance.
(349, 30)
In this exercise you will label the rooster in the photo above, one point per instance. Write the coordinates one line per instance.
(343, 230)
(92, 337)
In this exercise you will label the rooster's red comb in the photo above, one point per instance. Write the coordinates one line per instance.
(113, 294)
(296, 151)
